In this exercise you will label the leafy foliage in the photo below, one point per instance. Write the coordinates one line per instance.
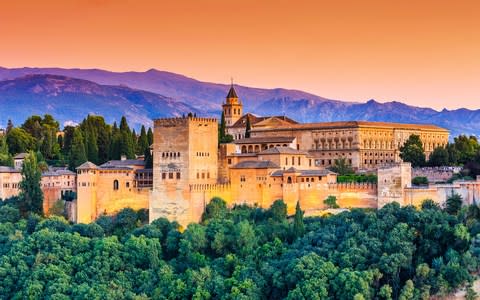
(412, 151)
(241, 253)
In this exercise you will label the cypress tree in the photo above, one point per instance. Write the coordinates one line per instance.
(148, 159)
(6, 158)
(150, 136)
(222, 129)
(77, 152)
(31, 195)
(92, 148)
(9, 126)
(298, 225)
(142, 141)
(248, 128)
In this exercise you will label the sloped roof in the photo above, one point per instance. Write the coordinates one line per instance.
(279, 173)
(232, 93)
(254, 120)
(282, 150)
(266, 139)
(5, 169)
(123, 163)
(256, 164)
(352, 124)
(20, 155)
(87, 165)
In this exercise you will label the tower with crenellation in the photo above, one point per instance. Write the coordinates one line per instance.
(185, 153)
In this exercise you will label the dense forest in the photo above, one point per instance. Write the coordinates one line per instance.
(92, 140)
(242, 253)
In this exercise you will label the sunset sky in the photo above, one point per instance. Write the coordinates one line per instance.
(424, 53)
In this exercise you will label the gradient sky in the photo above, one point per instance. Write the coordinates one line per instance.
(425, 53)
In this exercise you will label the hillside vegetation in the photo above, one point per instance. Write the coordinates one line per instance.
(242, 253)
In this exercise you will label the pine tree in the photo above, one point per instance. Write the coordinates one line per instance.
(248, 128)
(77, 151)
(31, 195)
(298, 225)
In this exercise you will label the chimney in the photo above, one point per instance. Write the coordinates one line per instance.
(123, 157)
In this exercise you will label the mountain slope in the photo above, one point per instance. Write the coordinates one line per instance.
(71, 99)
(204, 97)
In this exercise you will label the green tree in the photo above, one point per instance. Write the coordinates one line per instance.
(331, 202)
(453, 203)
(92, 148)
(248, 128)
(342, 167)
(150, 136)
(20, 141)
(412, 151)
(278, 210)
(143, 141)
(408, 291)
(298, 225)
(215, 209)
(31, 195)
(466, 147)
(6, 158)
(77, 150)
(439, 157)
(420, 180)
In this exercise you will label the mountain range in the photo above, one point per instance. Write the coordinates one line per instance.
(70, 94)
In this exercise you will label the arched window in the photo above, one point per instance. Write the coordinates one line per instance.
(244, 149)
(289, 179)
(115, 185)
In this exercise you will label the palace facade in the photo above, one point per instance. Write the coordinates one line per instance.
(281, 159)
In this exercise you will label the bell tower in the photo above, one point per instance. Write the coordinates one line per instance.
(232, 108)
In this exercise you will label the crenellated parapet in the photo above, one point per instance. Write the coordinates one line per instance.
(352, 186)
(210, 187)
(182, 121)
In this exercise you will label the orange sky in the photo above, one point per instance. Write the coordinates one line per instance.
(425, 53)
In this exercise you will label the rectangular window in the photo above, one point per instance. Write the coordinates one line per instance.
(178, 175)
(170, 175)
(164, 175)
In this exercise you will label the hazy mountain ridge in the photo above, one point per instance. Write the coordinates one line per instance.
(71, 99)
(150, 94)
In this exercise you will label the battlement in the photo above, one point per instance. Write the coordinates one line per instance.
(352, 186)
(209, 187)
(182, 121)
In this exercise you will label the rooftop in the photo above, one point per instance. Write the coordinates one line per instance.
(282, 150)
(256, 164)
(5, 169)
(267, 139)
(232, 93)
(255, 120)
(20, 155)
(353, 124)
(123, 163)
(87, 165)
(279, 173)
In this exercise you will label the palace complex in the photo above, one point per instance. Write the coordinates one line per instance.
(279, 159)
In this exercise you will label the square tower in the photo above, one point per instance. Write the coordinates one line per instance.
(185, 152)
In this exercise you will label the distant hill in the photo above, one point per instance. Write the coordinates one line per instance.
(177, 94)
(71, 99)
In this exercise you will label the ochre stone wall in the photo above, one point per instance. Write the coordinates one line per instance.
(193, 142)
